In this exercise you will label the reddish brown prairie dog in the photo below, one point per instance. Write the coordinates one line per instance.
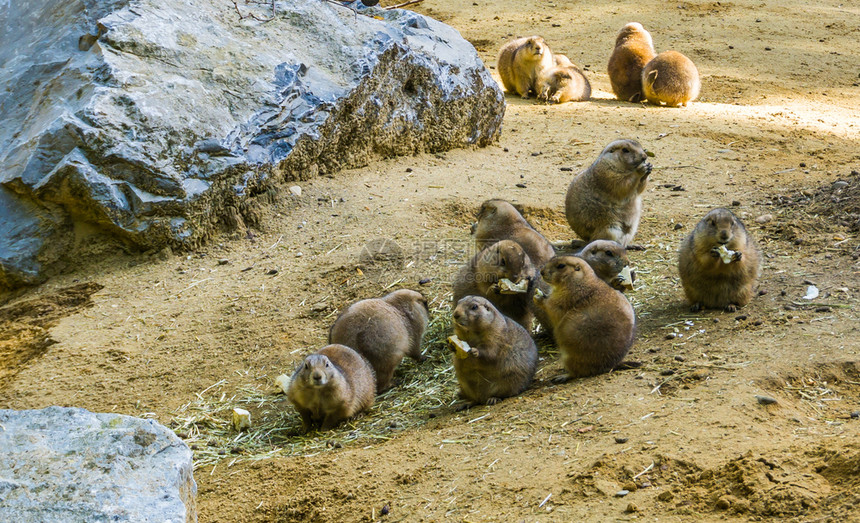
(719, 263)
(502, 357)
(384, 330)
(604, 202)
(670, 78)
(483, 275)
(520, 62)
(633, 49)
(608, 259)
(593, 325)
(499, 220)
(331, 385)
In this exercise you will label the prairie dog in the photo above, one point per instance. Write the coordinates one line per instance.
(593, 325)
(604, 202)
(503, 357)
(481, 277)
(633, 49)
(563, 82)
(331, 385)
(499, 220)
(670, 78)
(607, 259)
(520, 62)
(708, 279)
(384, 330)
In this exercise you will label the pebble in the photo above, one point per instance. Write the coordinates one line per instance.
(854, 415)
(409, 169)
(632, 508)
(620, 440)
(736, 203)
(223, 261)
(521, 185)
(665, 496)
(680, 358)
(272, 272)
(621, 493)
(823, 309)
(566, 169)
(671, 336)
(424, 281)
(667, 372)
(765, 400)
(764, 218)
(741, 317)
(840, 184)
(629, 486)
(678, 226)
(295, 190)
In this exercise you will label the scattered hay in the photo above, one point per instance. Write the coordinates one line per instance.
(839, 201)
(205, 424)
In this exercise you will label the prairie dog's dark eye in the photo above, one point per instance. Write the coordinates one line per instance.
(609, 253)
(327, 364)
(577, 267)
(560, 266)
(474, 307)
(307, 365)
(625, 150)
(502, 262)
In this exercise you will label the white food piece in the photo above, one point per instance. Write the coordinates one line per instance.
(811, 293)
(295, 190)
(462, 349)
(539, 293)
(241, 419)
(506, 286)
(725, 254)
(626, 278)
(283, 382)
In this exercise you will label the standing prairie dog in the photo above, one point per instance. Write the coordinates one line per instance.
(592, 324)
(331, 385)
(670, 78)
(719, 263)
(633, 49)
(604, 202)
(563, 82)
(520, 62)
(502, 357)
(499, 220)
(483, 274)
(384, 330)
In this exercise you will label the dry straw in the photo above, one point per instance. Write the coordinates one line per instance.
(422, 390)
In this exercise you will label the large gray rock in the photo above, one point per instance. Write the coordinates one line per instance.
(158, 121)
(71, 465)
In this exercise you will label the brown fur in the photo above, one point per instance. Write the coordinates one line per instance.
(607, 259)
(707, 281)
(604, 202)
(504, 358)
(593, 325)
(520, 62)
(633, 49)
(480, 277)
(384, 330)
(563, 82)
(331, 385)
(499, 220)
(670, 78)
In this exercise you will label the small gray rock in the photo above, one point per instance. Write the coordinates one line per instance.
(765, 400)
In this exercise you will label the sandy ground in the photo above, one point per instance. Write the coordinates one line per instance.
(185, 337)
